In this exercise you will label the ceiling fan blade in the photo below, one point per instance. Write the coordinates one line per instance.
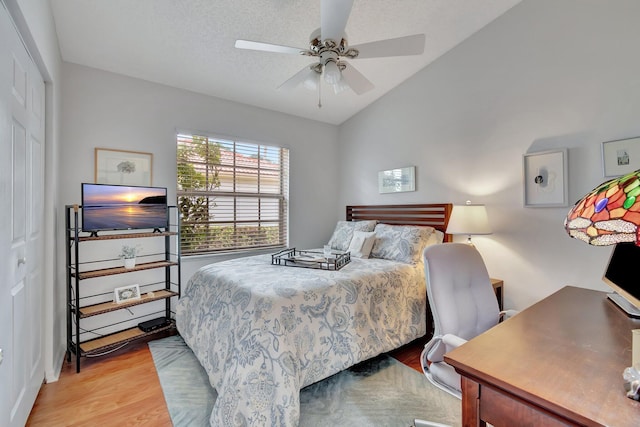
(356, 81)
(409, 45)
(300, 77)
(333, 18)
(268, 47)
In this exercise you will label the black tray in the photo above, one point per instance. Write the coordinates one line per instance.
(311, 259)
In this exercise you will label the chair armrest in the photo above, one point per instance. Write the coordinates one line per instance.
(429, 346)
(507, 314)
(431, 354)
(453, 340)
(424, 356)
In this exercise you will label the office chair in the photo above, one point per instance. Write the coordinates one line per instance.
(463, 304)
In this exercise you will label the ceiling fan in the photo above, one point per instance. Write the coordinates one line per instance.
(329, 45)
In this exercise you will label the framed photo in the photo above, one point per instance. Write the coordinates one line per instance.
(620, 157)
(126, 293)
(122, 167)
(397, 180)
(545, 179)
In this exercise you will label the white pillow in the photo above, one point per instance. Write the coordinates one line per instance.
(362, 243)
(343, 233)
(436, 237)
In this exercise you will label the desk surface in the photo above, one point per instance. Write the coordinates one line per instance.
(565, 355)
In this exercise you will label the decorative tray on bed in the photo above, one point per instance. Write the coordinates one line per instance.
(311, 259)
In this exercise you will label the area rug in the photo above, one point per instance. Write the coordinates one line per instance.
(379, 392)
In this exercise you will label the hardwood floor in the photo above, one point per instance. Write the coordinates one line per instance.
(120, 389)
(410, 354)
(123, 389)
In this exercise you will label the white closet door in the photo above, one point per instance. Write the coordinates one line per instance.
(21, 229)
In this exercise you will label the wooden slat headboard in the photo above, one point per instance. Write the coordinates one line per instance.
(435, 215)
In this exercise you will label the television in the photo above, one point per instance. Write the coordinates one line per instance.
(123, 207)
(622, 276)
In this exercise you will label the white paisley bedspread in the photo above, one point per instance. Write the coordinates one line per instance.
(262, 332)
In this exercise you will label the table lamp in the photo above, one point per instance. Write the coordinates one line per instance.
(609, 214)
(468, 219)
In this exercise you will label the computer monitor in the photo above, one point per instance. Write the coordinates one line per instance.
(623, 277)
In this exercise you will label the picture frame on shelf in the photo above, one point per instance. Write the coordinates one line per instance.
(620, 157)
(127, 293)
(397, 180)
(545, 179)
(123, 167)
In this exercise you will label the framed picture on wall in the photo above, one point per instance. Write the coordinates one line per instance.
(397, 180)
(545, 179)
(620, 157)
(123, 167)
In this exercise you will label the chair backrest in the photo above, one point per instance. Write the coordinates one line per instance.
(459, 290)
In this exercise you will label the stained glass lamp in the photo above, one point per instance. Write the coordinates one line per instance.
(609, 214)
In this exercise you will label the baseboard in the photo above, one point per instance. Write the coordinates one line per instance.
(52, 373)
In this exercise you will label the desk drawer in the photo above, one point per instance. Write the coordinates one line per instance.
(499, 410)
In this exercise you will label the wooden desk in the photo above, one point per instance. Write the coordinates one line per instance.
(559, 362)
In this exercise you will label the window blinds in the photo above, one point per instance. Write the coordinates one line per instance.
(232, 195)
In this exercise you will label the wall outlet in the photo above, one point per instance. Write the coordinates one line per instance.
(1, 356)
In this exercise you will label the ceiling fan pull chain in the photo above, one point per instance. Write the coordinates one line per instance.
(319, 94)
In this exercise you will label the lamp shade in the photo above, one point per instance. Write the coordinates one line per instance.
(332, 73)
(609, 214)
(469, 219)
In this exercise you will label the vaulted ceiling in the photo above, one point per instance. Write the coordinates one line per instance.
(189, 44)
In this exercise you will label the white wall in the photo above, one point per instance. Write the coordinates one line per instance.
(547, 74)
(107, 110)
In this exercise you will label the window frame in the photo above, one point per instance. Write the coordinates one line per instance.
(268, 228)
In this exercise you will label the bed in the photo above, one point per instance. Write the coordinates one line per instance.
(262, 332)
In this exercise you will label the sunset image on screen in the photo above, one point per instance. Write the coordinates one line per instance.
(118, 207)
(116, 195)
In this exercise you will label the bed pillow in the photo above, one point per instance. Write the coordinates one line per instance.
(403, 243)
(436, 237)
(343, 233)
(362, 243)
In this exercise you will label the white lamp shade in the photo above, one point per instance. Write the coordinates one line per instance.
(469, 219)
(332, 73)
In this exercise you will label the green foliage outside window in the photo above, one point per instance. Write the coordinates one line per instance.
(195, 208)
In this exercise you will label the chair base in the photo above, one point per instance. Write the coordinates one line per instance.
(422, 423)
(443, 387)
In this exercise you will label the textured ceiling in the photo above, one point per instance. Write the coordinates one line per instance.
(189, 44)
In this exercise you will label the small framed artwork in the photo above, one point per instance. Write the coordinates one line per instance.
(620, 157)
(122, 167)
(126, 293)
(397, 180)
(545, 179)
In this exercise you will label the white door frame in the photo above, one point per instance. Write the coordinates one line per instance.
(22, 232)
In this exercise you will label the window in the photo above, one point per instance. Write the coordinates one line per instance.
(232, 195)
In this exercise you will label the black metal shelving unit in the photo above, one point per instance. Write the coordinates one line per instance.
(78, 272)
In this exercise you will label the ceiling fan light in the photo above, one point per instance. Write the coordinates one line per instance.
(332, 73)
